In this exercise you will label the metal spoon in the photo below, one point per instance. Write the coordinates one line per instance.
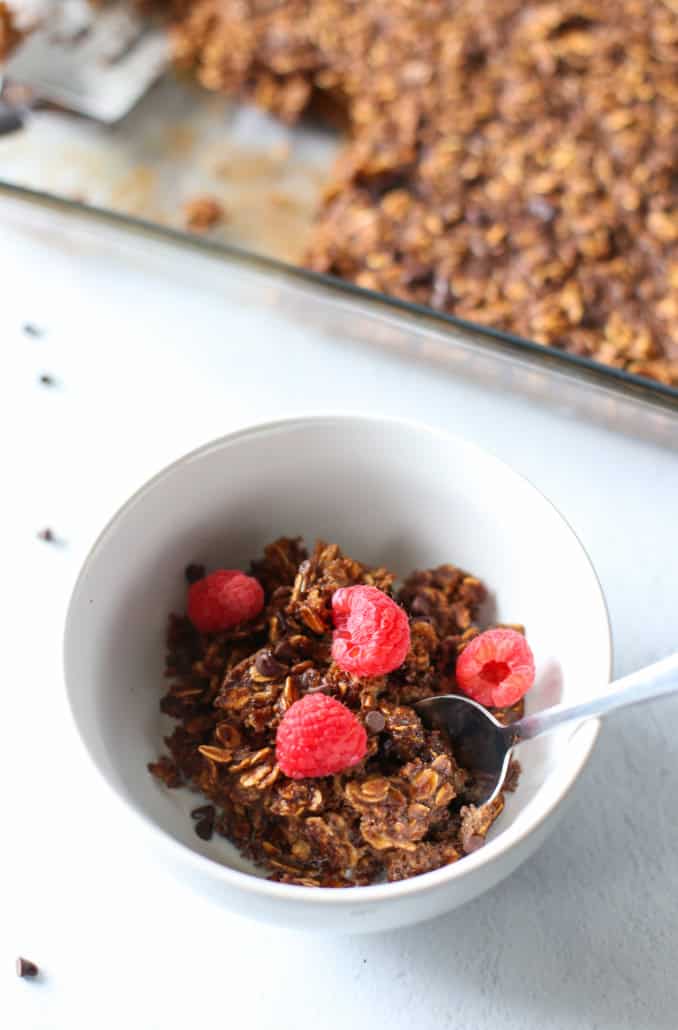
(483, 746)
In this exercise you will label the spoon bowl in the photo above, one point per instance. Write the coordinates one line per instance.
(479, 742)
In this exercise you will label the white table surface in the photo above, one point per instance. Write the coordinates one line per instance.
(149, 365)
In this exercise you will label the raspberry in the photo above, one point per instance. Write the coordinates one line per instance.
(496, 668)
(318, 736)
(224, 599)
(371, 635)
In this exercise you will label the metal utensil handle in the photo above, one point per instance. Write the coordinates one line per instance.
(657, 680)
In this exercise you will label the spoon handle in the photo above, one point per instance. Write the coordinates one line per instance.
(657, 680)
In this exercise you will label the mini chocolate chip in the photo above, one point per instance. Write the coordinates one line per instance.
(24, 967)
(204, 811)
(473, 842)
(420, 605)
(375, 722)
(193, 572)
(205, 828)
(267, 665)
(47, 380)
(282, 621)
(31, 330)
(47, 535)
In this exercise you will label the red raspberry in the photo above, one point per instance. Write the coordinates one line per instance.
(371, 635)
(224, 599)
(318, 736)
(496, 668)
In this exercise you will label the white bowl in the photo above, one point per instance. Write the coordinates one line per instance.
(389, 492)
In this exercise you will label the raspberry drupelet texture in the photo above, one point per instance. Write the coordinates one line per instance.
(319, 736)
(224, 599)
(371, 632)
(496, 668)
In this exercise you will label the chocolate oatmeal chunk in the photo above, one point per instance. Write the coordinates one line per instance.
(405, 808)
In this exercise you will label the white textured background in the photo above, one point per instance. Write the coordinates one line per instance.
(154, 353)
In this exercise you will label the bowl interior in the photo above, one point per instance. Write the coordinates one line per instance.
(389, 493)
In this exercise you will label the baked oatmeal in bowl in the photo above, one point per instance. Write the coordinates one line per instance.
(320, 576)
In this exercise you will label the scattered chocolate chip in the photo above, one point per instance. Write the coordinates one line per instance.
(31, 330)
(26, 968)
(375, 722)
(47, 380)
(193, 572)
(473, 842)
(205, 828)
(282, 621)
(267, 665)
(47, 535)
(203, 812)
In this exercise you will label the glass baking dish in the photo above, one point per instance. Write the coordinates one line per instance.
(179, 143)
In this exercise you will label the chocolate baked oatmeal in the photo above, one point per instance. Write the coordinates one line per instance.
(512, 163)
(396, 803)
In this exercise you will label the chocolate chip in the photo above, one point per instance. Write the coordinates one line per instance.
(375, 722)
(47, 535)
(47, 380)
(193, 572)
(267, 665)
(282, 621)
(204, 811)
(24, 967)
(31, 330)
(205, 828)
(473, 842)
